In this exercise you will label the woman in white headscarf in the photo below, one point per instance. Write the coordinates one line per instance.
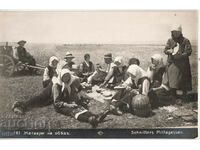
(50, 71)
(155, 70)
(162, 95)
(137, 83)
(178, 49)
(44, 97)
(138, 77)
(67, 99)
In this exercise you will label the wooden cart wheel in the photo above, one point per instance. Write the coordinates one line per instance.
(7, 65)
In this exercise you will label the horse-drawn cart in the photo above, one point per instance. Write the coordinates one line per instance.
(10, 65)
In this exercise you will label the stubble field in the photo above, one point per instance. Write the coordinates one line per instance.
(23, 87)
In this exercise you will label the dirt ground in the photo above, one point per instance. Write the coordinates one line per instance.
(21, 88)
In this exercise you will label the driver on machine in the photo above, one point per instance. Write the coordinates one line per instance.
(23, 56)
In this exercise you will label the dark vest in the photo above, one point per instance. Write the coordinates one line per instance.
(119, 75)
(158, 73)
(64, 95)
(51, 72)
(87, 68)
(72, 97)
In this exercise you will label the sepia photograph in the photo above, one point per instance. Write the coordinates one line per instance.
(99, 74)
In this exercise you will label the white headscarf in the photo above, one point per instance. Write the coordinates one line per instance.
(119, 59)
(61, 65)
(176, 27)
(51, 59)
(159, 59)
(150, 71)
(59, 81)
(137, 71)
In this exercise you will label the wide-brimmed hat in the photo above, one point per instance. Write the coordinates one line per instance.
(68, 55)
(109, 55)
(22, 41)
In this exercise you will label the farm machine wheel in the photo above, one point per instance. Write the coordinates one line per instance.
(7, 65)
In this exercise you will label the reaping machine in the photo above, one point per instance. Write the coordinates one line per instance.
(9, 64)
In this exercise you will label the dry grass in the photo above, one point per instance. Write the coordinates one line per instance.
(23, 87)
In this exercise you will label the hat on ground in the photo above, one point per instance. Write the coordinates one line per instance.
(109, 55)
(176, 28)
(69, 55)
(22, 41)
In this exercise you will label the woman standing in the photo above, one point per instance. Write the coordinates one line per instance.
(178, 49)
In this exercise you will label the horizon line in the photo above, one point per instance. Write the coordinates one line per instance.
(114, 43)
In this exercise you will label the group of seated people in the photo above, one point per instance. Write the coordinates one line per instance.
(62, 86)
(160, 83)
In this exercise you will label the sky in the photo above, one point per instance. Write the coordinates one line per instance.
(101, 27)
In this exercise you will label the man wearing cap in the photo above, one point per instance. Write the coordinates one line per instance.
(109, 61)
(115, 71)
(99, 75)
(178, 49)
(68, 61)
(23, 55)
(109, 77)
